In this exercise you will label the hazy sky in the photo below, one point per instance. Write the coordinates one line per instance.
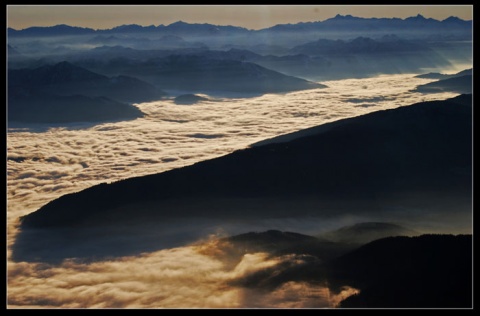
(249, 16)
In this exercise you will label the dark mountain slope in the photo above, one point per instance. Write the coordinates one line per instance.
(429, 271)
(419, 148)
(417, 158)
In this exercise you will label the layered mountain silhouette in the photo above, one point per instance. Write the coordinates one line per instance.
(461, 82)
(437, 75)
(65, 78)
(321, 60)
(417, 158)
(64, 93)
(416, 26)
(164, 42)
(349, 47)
(200, 74)
(428, 271)
(190, 70)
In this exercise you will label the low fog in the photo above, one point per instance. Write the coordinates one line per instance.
(44, 163)
(179, 277)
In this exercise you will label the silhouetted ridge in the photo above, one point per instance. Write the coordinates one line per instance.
(457, 84)
(429, 271)
(339, 22)
(64, 93)
(64, 78)
(202, 73)
(416, 149)
(44, 108)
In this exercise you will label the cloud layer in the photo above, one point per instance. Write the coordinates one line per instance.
(173, 278)
(42, 166)
(45, 164)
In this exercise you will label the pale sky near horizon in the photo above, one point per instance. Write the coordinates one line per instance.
(248, 16)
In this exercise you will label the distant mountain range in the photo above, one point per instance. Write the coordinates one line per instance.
(323, 59)
(436, 75)
(461, 82)
(337, 48)
(64, 93)
(417, 24)
(53, 93)
(164, 42)
(65, 78)
(197, 74)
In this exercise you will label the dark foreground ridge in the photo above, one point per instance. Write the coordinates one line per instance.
(417, 157)
(429, 271)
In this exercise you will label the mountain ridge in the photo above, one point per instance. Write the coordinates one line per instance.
(427, 271)
(63, 29)
(410, 158)
(65, 78)
(413, 163)
(65, 93)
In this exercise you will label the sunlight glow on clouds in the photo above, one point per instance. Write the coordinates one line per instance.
(45, 165)
(179, 277)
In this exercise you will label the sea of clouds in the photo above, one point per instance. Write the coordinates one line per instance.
(44, 163)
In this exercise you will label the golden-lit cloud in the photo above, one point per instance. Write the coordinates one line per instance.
(45, 165)
(172, 278)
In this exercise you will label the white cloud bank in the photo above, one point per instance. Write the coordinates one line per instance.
(173, 278)
(42, 166)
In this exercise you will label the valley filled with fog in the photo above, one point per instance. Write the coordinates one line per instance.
(46, 163)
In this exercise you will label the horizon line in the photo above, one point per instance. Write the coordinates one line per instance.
(241, 27)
